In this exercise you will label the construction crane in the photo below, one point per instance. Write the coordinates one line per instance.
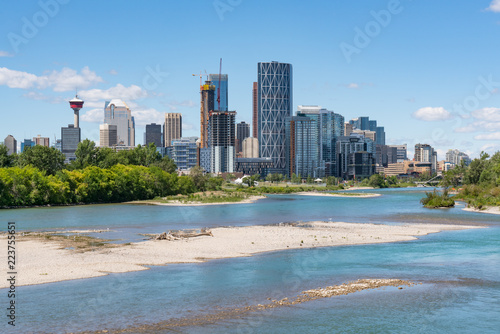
(201, 75)
(218, 86)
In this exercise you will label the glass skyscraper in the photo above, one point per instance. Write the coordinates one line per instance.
(116, 112)
(214, 78)
(274, 106)
(302, 146)
(330, 127)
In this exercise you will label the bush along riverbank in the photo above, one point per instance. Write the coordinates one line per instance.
(437, 200)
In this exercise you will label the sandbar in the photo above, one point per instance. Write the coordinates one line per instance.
(325, 194)
(251, 199)
(43, 261)
(493, 210)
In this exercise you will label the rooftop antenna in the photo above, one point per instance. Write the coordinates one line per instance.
(218, 86)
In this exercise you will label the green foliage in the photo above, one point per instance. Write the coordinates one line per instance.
(437, 200)
(295, 178)
(6, 160)
(47, 159)
(481, 182)
(29, 186)
(377, 181)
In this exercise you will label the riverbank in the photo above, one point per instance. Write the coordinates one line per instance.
(45, 260)
(325, 194)
(493, 210)
(250, 199)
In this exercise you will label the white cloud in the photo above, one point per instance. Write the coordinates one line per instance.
(494, 6)
(431, 114)
(60, 81)
(480, 126)
(5, 54)
(488, 136)
(147, 116)
(487, 114)
(353, 85)
(117, 92)
(113, 72)
(69, 79)
(93, 116)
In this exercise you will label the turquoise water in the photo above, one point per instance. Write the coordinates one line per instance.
(459, 271)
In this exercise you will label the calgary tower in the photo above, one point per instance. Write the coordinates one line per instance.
(76, 104)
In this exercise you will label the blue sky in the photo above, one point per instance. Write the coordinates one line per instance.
(426, 70)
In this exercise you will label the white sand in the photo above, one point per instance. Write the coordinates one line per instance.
(40, 261)
(359, 188)
(324, 194)
(251, 199)
(494, 210)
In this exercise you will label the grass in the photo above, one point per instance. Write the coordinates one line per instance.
(204, 197)
(80, 243)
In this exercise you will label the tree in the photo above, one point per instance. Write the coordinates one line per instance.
(199, 178)
(331, 181)
(167, 164)
(86, 154)
(44, 158)
(377, 181)
(295, 178)
(6, 160)
(476, 168)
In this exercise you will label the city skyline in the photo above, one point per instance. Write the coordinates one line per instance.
(380, 59)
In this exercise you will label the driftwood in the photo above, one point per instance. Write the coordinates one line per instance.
(182, 235)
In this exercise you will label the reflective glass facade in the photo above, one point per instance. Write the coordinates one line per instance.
(274, 106)
(214, 78)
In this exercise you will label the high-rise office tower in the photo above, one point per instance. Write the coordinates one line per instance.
(27, 143)
(250, 148)
(302, 147)
(426, 153)
(43, 141)
(172, 128)
(153, 135)
(274, 106)
(401, 152)
(70, 138)
(11, 144)
(108, 135)
(207, 92)
(455, 157)
(117, 112)
(355, 156)
(223, 92)
(255, 110)
(364, 123)
(330, 127)
(242, 132)
(221, 141)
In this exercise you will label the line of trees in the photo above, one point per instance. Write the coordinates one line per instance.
(38, 176)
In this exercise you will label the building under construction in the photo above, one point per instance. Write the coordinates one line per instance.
(207, 105)
(221, 130)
